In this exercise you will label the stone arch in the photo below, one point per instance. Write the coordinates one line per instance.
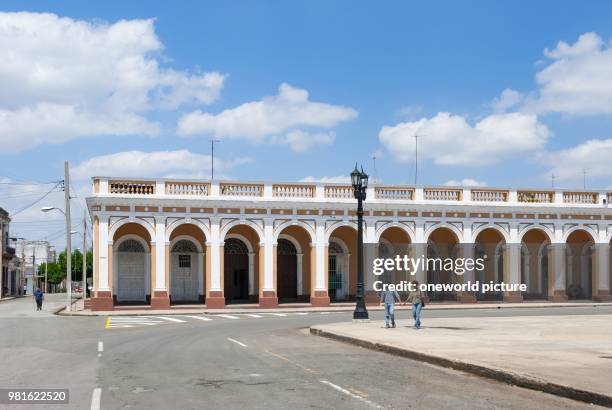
(336, 225)
(381, 230)
(452, 228)
(338, 265)
(180, 222)
(242, 238)
(505, 235)
(545, 230)
(280, 228)
(125, 221)
(245, 222)
(577, 228)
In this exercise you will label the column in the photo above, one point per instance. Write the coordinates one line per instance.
(601, 266)
(512, 270)
(467, 253)
(370, 253)
(102, 295)
(300, 287)
(252, 291)
(214, 268)
(160, 299)
(556, 273)
(267, 296)
(319, 296)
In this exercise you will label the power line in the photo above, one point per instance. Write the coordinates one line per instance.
(15, 213)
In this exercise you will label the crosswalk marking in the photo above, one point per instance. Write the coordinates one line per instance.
(143, 321)
(204, 318)
(229, 316)
(170, 319)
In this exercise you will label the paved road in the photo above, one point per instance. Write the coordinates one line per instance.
(250, 362)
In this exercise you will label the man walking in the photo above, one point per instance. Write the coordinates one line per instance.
(389, 298)
(39, 296)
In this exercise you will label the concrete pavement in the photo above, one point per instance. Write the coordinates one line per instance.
(566, 355)
(251, 363)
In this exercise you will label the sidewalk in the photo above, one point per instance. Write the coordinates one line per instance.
(305, 307)
(569, 356)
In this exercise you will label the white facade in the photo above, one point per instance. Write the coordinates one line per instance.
(570, 230)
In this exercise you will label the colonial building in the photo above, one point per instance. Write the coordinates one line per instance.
(9, 279)
(163, 242)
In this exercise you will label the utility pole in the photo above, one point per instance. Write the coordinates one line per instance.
(47, 270)
(34, 273)
(212, 159)
(68, 239)
(84, 287)
(23, 262)
(552, 178)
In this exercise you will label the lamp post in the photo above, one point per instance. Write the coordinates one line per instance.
(359, 180)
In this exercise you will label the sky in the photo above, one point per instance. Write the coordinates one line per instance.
(500, 94)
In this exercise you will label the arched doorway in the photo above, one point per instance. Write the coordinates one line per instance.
(342, 263)
(286, 271)
(236, 271)
(338, 264)
(442, 245)
(184, 268)
(131, 269)
(534, 264)
(579, 265)
(489, 246)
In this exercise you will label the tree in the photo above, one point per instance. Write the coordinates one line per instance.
(77, 264)
(54, 273)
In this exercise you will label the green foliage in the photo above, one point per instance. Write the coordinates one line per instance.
(77, 264)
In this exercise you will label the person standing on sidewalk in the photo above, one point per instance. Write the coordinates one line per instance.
(389, 298)
(39, 297)
(415, 298)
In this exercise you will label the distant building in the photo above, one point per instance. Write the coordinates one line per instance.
(32, 254)
(9, 280)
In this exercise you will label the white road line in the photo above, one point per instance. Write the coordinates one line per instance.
(199, 317)
(109, 326)
(279, 314)
(236, 341)
(100, 347)
(325, 313)
(229, 316)
(95, 398)
(302, 313)
(135, 321)
(253, 315)
(170, 319)
(351, 394)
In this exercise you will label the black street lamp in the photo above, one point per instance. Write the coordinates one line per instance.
(359, 179)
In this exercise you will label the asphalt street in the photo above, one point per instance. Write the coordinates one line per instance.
(240, 361)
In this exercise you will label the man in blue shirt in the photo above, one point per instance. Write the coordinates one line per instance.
(39, 296)
(389, 298)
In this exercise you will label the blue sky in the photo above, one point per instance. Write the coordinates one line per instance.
(430, 68)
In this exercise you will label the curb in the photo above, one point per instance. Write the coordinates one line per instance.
(229, 311)
(479, 370)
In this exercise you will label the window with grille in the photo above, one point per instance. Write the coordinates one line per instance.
(184, 261)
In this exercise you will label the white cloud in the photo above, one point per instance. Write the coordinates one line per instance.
(509, 98)
(63, 78)
(465, 182)
(450, 140)
(286, 112)
(170, 164)
(593, 155)
(339, 179)
(301, 141)
(577, 81)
